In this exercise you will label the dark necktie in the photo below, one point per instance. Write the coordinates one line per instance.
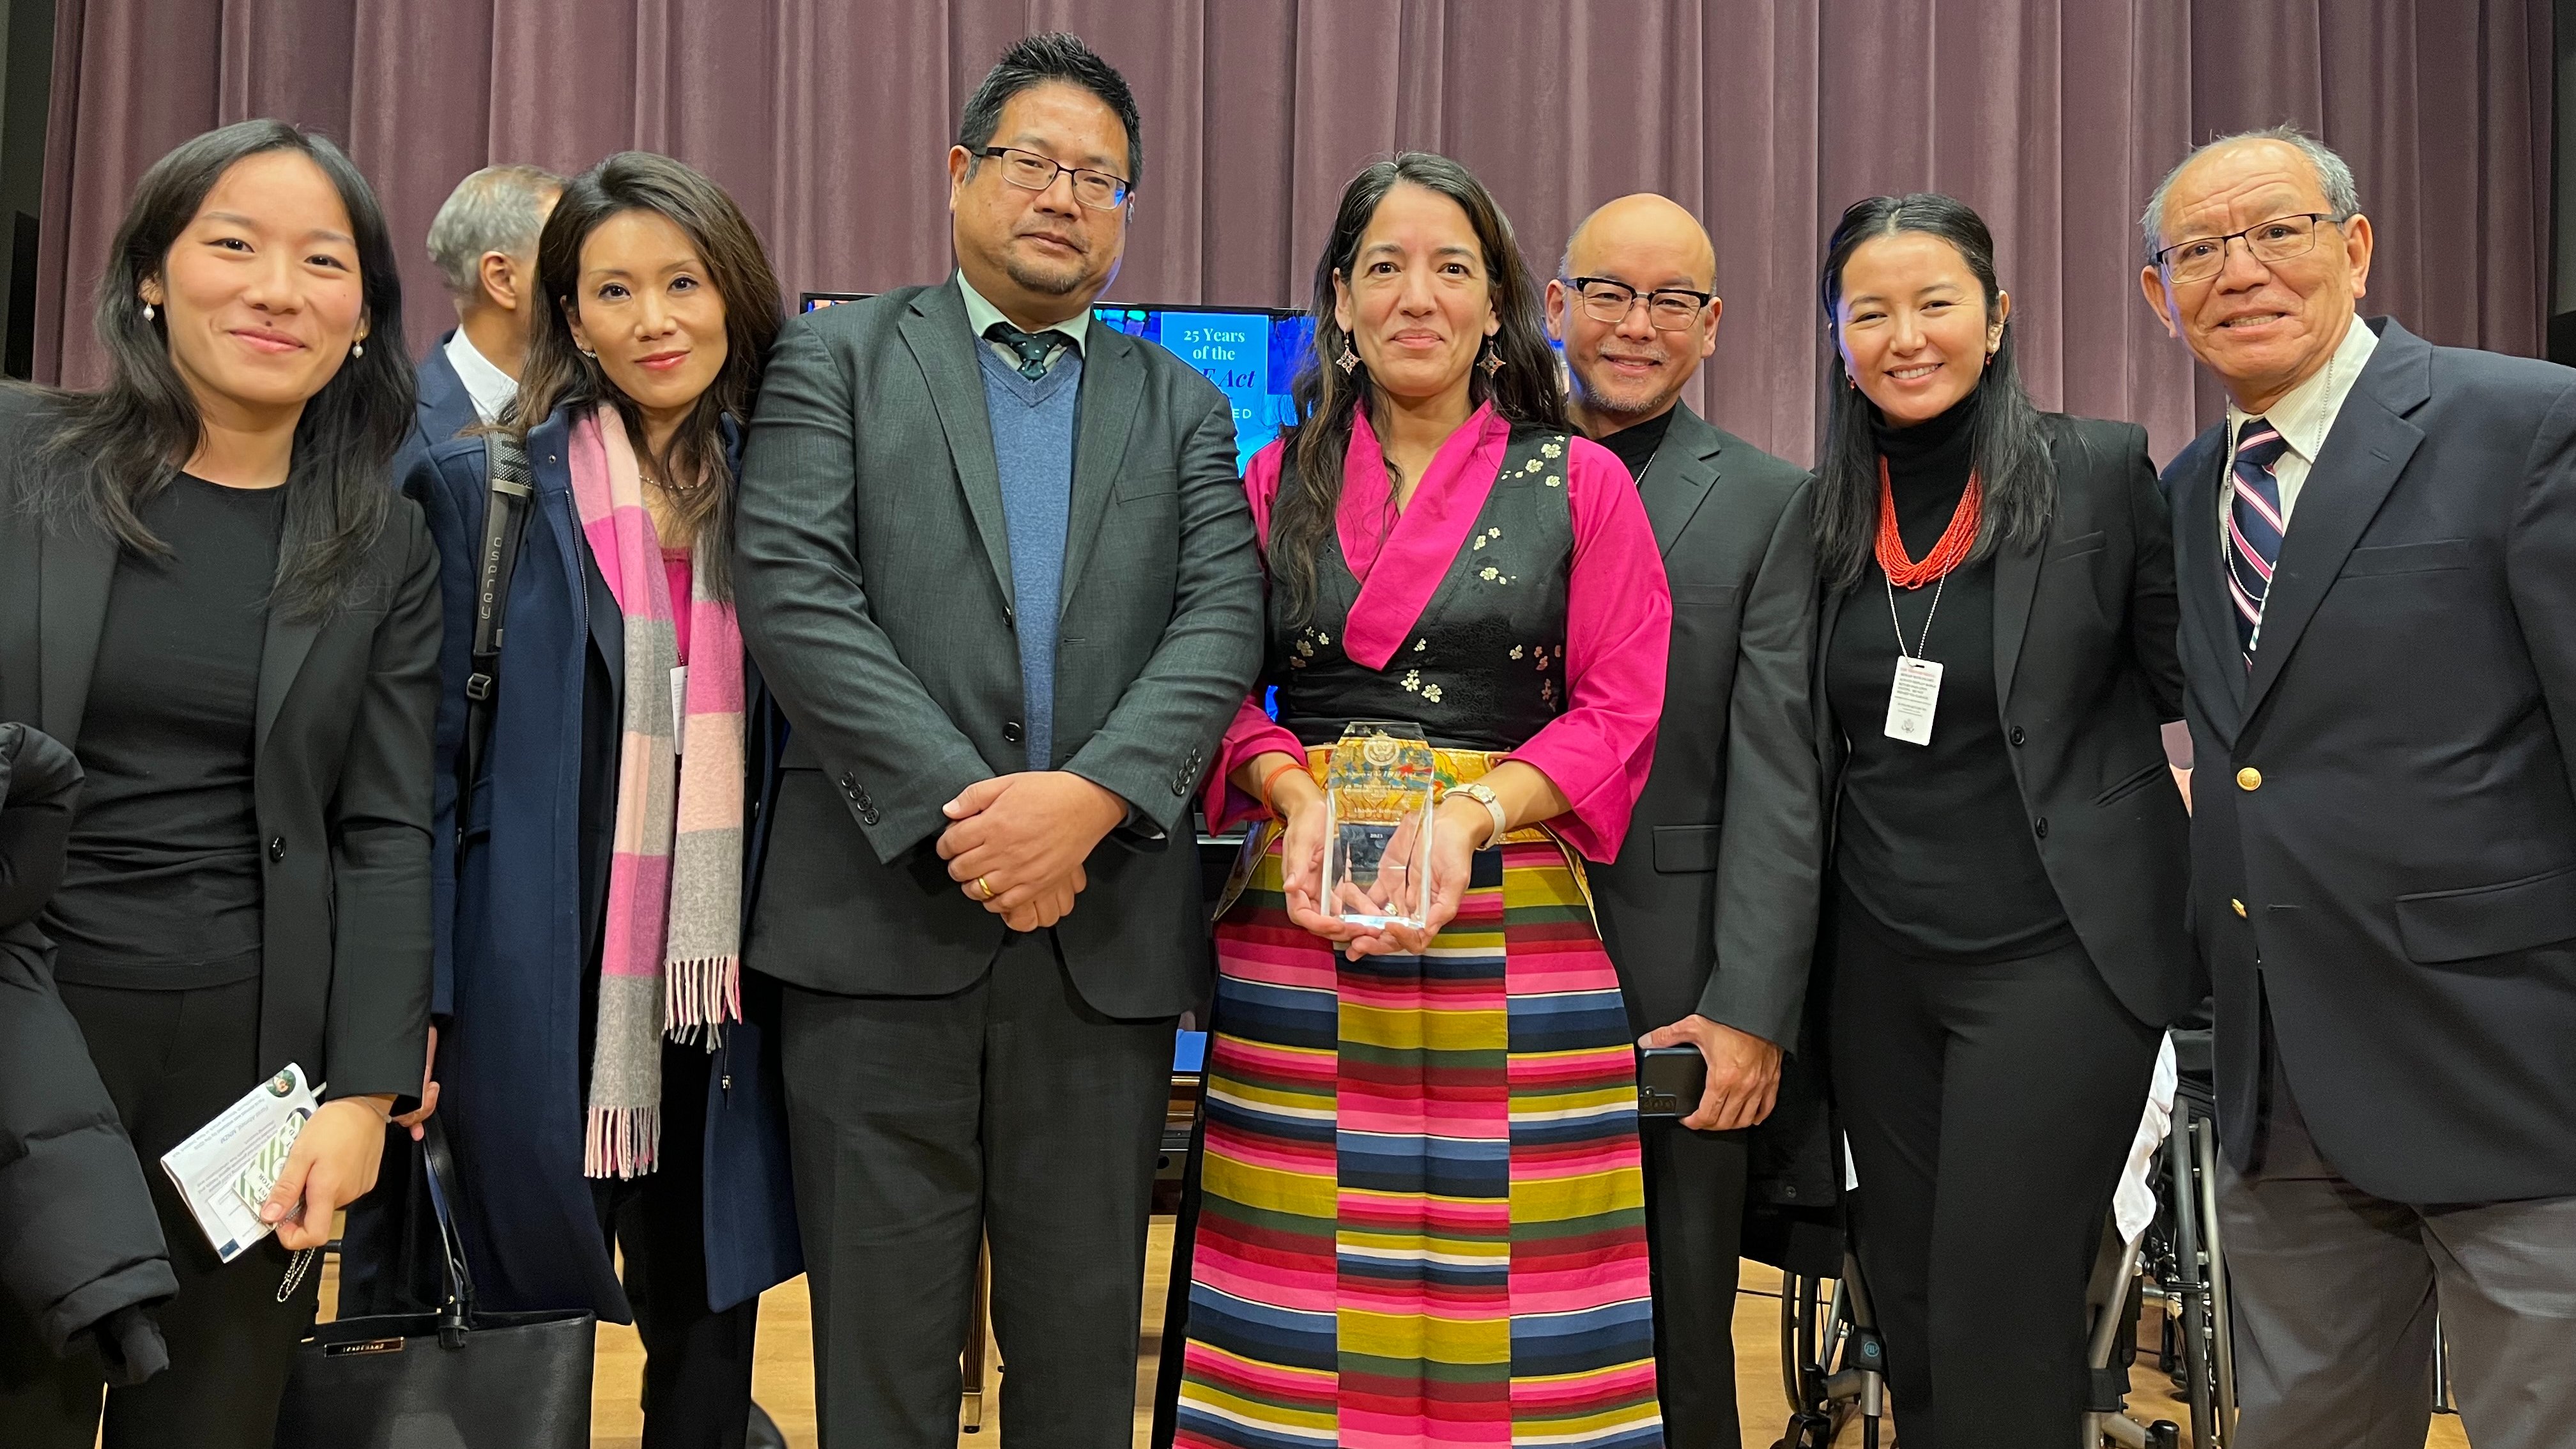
(2254, 526)
(1033, 347)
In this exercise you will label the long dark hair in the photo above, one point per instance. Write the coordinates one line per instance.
(125, 442)
(1526, 391)
(2005, 447)
(558, 376)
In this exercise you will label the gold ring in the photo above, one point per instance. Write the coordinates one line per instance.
(985, 886)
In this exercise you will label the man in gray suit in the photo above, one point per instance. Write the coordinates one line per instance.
(2376, 555)
(1709, 912)
(995, 562)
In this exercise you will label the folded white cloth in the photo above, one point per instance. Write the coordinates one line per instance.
(2133, 1203)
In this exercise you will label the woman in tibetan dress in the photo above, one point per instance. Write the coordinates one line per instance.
(1420, 1212)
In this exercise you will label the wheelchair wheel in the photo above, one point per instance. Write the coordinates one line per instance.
(2197, 1297)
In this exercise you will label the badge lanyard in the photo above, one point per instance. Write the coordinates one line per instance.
(1916, 693)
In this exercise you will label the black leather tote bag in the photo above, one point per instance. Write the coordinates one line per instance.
(455, 1379)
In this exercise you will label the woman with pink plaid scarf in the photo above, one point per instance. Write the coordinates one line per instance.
(604, 1086)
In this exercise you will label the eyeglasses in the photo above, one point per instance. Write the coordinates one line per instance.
(1670, 308)
(1030, 171)
(2277, 240)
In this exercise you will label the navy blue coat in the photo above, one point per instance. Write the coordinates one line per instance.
(511, 958)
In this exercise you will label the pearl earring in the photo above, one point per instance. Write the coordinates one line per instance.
(147, 311)
(357, 349)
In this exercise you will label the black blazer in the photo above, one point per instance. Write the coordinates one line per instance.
(873, 578)
(2085, 677)
(2384, 853)
(340, 774)
(1711, 905)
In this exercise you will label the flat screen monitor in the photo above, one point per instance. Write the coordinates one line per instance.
(1251, 353)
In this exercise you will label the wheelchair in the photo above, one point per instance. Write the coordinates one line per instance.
(1833, 1362)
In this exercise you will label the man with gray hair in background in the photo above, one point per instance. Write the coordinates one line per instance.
(484, 242)
(2376, 555)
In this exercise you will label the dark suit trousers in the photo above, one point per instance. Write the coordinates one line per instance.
(1695, 1236)
(1990, 1109)
(1009, 1111)
(172, 1061)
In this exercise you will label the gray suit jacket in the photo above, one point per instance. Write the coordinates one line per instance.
(1711, 905)
(873, 578)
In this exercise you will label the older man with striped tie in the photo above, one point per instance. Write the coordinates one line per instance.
(2377, 561)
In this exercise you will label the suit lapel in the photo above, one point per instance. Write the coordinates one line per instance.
(75, 568)
(935, 330)
(2016, 584)
(2362, 457)
(1682, 475)
(1113, 383)
(281, 657)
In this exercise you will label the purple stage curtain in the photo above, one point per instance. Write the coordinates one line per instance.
(828, 119)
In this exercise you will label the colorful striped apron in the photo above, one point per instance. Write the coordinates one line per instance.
(1421, 1216)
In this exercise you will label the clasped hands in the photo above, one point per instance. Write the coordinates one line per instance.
(1015, 844)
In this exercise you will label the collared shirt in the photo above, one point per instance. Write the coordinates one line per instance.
(2304, 415)
(981, 315)
(489, 387)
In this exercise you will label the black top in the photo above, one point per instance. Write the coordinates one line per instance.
(1931, 840)
(1635, 445)
(162, 885)
(1484, 666)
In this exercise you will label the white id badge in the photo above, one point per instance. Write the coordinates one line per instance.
(680, 708)
(1910, 703)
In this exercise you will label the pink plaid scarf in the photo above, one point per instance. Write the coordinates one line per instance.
(671, 956)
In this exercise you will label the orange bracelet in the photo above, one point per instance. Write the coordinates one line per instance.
(1268, 806)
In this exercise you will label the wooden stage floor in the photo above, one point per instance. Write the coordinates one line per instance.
(783, 1379)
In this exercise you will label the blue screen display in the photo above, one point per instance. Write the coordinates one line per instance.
(1252, 354)
(1252, 357)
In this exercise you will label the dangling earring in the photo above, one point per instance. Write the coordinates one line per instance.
(1348, 360)
(357, 349)
(1492, 361)
(147, 311)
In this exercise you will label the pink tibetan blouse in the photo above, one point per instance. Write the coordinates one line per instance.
(1618, 615)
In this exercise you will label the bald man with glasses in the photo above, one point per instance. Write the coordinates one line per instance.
(1709, 912)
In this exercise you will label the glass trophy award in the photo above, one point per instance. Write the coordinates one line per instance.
(1378, 791)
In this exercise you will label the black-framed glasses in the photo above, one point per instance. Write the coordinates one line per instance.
(1670, 308)
(2278, 240)
(1030, 171)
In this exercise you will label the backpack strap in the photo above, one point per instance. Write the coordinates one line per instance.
(509, 492)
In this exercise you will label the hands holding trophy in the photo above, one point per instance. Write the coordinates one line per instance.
(1367, 860)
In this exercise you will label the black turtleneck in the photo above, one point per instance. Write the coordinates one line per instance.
(1931, 840)
(1635, 444)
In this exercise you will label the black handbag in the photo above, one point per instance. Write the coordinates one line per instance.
(460, 1378)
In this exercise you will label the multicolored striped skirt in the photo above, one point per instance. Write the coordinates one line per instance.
(1421, 1219)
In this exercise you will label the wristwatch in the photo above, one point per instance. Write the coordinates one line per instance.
(1484, 795)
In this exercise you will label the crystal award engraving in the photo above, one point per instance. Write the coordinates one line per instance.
(1378, 791)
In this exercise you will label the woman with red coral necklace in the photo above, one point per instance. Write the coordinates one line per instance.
(1997, 653)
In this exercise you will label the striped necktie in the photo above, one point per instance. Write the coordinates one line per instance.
(2254, 527)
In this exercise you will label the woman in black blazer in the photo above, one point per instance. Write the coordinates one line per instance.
(211, 591)
(1996, 655)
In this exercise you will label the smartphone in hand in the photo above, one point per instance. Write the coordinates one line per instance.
(1670, 1080)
